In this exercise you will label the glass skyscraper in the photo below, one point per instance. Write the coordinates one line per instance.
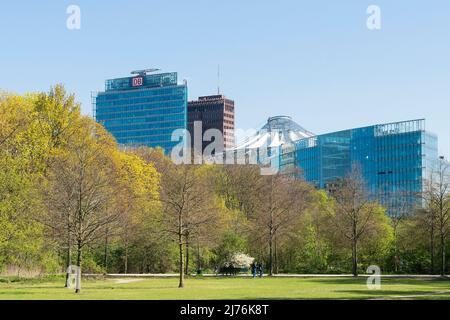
(143, 109)
(394, 159)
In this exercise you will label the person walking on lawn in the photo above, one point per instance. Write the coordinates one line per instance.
(253, 267)
(260, 269)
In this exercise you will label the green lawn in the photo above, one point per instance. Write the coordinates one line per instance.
(228, 288)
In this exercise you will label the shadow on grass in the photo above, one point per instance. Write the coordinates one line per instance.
(305, 298)
(402, 295)
(17, 293)
(384, 293)
(365, 295)
(391, 281)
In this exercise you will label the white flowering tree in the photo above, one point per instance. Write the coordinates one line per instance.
(240, 260)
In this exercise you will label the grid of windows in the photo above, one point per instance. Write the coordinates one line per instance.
(143, 110)
(215, 112)
(393, 158)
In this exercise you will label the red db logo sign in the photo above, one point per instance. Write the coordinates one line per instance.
(138, 81)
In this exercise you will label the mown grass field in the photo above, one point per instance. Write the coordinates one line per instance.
(226, 288)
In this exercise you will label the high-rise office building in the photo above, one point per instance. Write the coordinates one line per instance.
(143, 109)
(394, 159)
(214, 112)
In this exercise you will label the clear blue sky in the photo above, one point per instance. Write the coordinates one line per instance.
(313, 60)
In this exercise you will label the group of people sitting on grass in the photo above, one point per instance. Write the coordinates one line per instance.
(257, 268)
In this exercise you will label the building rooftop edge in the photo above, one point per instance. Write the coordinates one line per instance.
(375, 125)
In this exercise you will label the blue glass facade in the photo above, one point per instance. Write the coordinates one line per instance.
(144, 109)
(393, 158)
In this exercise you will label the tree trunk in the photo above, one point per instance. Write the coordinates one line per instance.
(79, 257)
(396, 254)
(105, 260)
(186, 271)
(199, 267)
(69, 258)
(354, 250)
(181, 284)
(271, 252)
(275, 254)
(442, 236)
(125, 262)
(354, 259)
(432, 248)
(271, 227)
(180, 243)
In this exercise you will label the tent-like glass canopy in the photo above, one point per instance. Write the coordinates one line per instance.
(279, 130)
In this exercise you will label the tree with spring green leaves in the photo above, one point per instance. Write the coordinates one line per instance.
(436, 213)
(189, 203)
(22, 150)
(58, 119)
(280, 204)
(138, 201)
(82, 180)
(356, 216)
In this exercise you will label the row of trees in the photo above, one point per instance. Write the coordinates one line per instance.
(64, 183)
(69, 195)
